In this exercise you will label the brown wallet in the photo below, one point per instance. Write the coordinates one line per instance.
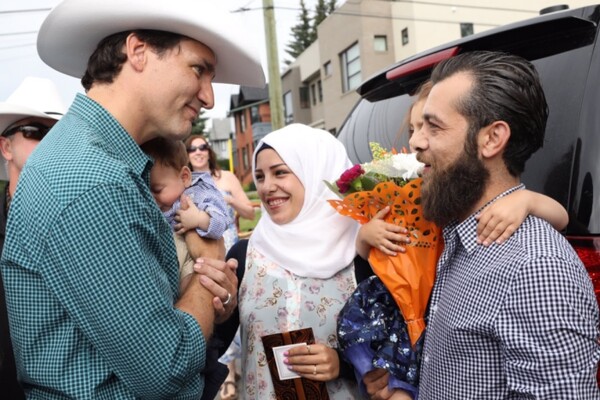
(298, 388)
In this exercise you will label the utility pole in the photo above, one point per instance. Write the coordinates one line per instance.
(275, 95)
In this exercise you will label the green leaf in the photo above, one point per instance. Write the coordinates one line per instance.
(368, 182)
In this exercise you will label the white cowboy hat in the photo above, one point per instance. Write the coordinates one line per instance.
(35, 97)
(70, 33)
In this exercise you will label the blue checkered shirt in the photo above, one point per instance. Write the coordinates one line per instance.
(91, 273)
(511, 321)
(204, 194)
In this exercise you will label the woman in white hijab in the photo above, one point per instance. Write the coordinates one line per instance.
(298, 266)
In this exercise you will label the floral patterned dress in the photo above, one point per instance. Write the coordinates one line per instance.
(272, 300)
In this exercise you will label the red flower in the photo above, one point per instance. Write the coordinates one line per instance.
(348, 177)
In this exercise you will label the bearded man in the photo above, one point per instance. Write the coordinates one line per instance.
(513, 321)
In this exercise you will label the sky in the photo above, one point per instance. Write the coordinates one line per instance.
(20, 20)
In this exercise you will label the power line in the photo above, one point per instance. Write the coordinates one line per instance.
(25, 11)
(17, 33)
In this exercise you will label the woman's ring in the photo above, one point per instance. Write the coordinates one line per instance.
(308, 348)
(315, 370)
(228, 299)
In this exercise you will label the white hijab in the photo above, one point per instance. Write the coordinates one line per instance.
(319, 242)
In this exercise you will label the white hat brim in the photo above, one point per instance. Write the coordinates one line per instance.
(70, 33)
(11, 113)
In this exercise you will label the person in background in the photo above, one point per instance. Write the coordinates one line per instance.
(92, 291)
(204, 159)
(203, 209)
(25, 118)
(517, 320)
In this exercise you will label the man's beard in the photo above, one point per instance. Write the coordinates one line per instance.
(449, 194)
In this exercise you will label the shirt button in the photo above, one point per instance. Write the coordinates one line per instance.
(434, 309)
(426, 359)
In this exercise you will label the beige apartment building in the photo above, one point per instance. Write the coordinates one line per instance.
(363, 36)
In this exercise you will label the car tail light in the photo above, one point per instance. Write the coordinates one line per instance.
(421, 64)
(588, 249)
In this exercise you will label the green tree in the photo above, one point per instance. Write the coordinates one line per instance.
(199, 124)
(331, 6)
(322, 11)
(301, 33)
(320, 14)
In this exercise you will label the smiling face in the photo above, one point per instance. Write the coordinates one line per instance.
(454, 177)
(199, 158)
(180, 82)
(441, 139)
(279, 189)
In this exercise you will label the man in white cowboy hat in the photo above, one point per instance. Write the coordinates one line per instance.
(25, 118)
(92, 292)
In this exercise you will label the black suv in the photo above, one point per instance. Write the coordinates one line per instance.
(565, 48)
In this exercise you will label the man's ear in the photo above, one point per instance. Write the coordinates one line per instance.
(186, 176)
(136, 51)
(493, 139)
(6, 148)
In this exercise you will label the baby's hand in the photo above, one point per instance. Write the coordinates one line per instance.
(498, 221)
(188, 216)
(382, 235)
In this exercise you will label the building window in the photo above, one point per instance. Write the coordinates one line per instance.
(327, 68)
(245, 159)
(243, 121)
(380, 43)
(254, 115)
(404, 36)
(313, 92)
(466, 29)
(320, 90)
(350, 60)
(288, 108)
(304, 97)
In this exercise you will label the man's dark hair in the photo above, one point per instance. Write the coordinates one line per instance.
(106, 61)
(505, 88)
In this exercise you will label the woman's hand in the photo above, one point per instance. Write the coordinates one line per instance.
(314, 361)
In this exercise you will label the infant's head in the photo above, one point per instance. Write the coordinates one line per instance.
(170, 175)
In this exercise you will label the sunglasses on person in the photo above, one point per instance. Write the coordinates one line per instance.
(202, 147)
(30, 131)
